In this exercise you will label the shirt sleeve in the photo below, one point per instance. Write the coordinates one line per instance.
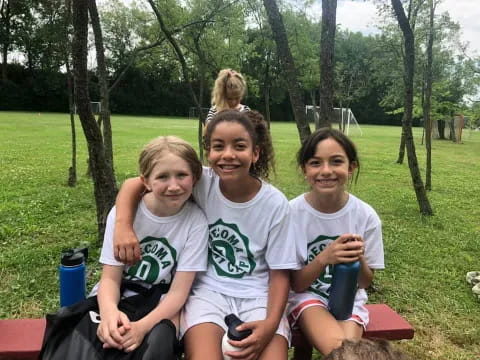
(374, 254)
(203, 186)
(194, 254)
(211, 113)
(281, 250)
(106, 256)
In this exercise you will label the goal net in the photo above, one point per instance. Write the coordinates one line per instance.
(96, 107)
(451, 129)
(193, 112)
(342, 117)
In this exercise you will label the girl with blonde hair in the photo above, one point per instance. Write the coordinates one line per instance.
(227, 93)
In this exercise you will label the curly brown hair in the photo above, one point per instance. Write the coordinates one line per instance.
(257, 127)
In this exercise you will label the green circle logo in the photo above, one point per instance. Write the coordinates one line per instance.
(228, 251)
(158, 262)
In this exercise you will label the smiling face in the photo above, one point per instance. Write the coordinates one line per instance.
(170, 184)
(231, 152)
(328, 170)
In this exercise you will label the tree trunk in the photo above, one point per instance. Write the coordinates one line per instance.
(104, 115)
(5, 17)
(409, 64)
(427, 104)
(72, 171)
(327, 61)
(441, 129)
(266, 90)
(201, 117)
(288, 67)
(104, 185)
(401, 150)
(451, 125)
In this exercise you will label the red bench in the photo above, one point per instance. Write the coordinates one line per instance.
(22, 338)
(384, 323)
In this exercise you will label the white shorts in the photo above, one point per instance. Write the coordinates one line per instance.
(298, 302)
(207, 306)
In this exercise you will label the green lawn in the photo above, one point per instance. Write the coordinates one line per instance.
(426, 258)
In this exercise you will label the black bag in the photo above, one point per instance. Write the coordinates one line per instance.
(71, 333)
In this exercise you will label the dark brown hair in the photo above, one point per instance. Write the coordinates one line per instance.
(257, 128)
(309, 145)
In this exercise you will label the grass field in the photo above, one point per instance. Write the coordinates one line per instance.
(426, 258)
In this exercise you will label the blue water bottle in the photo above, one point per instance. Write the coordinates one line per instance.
(72, 273)
(343, 289)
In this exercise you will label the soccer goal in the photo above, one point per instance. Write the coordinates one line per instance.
(343, 117)
(193, 112)
(96, 107)
(451, 129)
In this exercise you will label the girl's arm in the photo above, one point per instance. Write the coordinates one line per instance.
(365, 277)
(346, 248)
(168, 308)
(173, 301)
(111, 318)
(264, 330)
(126, 247)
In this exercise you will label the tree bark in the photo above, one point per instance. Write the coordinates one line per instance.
(104, 184)
(327, 61)
(201, 117)
(72, 170)
(441, 129)
(266, 90)
(401, 150)
(5, 16)
(103, 82)
(409, 64)
(451, 126)
(427, 103)
(288, 65)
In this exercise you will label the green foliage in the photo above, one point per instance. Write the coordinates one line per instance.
(426, 258)
(216, 34)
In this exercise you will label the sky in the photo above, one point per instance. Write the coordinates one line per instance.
(361, 16)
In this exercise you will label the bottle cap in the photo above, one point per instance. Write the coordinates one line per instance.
(232, 322)
(71, 258)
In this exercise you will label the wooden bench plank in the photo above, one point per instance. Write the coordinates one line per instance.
(385, 323)
(21, 338)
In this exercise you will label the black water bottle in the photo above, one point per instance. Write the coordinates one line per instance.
(343, 289)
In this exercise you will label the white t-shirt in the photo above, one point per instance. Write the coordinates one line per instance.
(315, 230)
(168, 244)
(246, 240)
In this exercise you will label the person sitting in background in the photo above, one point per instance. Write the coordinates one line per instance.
(227, 93)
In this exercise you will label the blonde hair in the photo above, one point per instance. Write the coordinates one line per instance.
(229, 85)
(153, 151)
